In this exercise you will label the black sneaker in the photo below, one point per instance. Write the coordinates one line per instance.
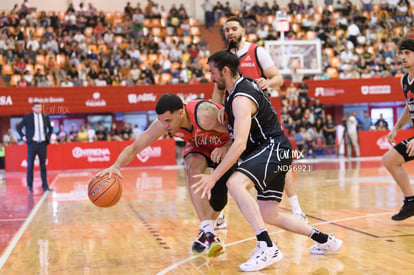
(215, 247)
(200, 244)
(407, 210)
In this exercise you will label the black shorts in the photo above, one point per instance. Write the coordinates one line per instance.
(402, 149)
(266, 165)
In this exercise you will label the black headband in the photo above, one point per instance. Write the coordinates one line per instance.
(407, 44)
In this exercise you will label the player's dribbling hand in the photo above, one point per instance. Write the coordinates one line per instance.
(110, 171)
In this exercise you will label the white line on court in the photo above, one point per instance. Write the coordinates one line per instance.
(12, 244)
(11, 220)
(177, 264)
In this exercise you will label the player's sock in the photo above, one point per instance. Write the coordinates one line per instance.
(318, 236)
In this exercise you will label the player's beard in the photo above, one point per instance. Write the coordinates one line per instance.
(236, 41)
(221, 86)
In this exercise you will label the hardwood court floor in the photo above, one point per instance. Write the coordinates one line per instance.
(151, 229)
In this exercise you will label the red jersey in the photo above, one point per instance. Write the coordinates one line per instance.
(249, 65)
(197, 139)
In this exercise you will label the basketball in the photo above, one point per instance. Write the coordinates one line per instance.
(104, 191)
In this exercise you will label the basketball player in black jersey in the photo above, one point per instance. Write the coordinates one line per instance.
(264, 156)
(404, 151)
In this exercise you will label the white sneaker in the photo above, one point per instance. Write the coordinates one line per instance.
(333, 244)
(301, 216)
(262, 257)
(221, 222)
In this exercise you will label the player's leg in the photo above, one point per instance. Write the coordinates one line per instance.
(393, 161)
(266, 252)
(196, 163)
(268, 201)
(271, 215)
(290, 190)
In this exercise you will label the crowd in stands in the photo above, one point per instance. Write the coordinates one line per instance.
(304, 119)
(82, 46)
(86, 47)
(359, 41)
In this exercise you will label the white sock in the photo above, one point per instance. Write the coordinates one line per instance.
(294, 203)
(207, 226)
(221, 215)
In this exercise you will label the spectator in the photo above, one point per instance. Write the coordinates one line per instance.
(303, 90)
(351, 135)
(101, 134)
(381, 123)
(366, 122)
(126, 132)
(329, 131)
(208, 14)
(61, 134)
(72, 133)
(359, 121)
(317, 108)
(91, 133)
(113, 133)
(300, 138)
(82, 135)
(8, 138)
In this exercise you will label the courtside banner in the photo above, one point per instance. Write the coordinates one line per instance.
(375, 143)
(58, 100)
(78, 155)
(345, 91)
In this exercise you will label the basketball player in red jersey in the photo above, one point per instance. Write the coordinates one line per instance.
(256, 63)
(206, 143)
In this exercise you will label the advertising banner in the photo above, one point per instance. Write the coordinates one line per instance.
(374, 143)
(58, 100)
(101, 154)
(345, 91)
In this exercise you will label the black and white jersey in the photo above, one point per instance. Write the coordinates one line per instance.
(265, 123)
(407, 85)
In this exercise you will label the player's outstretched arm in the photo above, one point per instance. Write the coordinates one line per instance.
(148, 137)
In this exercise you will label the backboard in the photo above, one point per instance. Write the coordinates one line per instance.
(305, 55)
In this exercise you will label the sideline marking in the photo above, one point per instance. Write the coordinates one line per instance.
(12, 244)
(177, 264)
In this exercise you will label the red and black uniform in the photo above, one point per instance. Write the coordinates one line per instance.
(196, 139)
(200, 141)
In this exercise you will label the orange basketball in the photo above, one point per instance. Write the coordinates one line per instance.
(104, 191)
